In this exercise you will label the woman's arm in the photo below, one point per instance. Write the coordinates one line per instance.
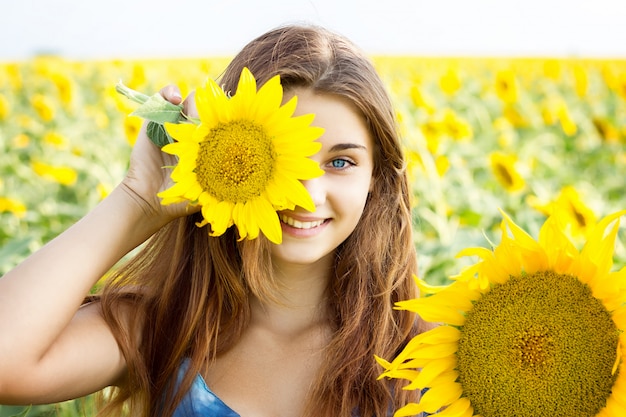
(51, 349)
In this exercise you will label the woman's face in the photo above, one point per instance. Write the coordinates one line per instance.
(340, 194)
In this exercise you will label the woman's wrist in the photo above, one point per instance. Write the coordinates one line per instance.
(140, 218)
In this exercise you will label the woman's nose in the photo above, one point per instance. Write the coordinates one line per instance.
(316, 189)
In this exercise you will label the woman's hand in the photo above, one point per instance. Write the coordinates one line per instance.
(150, 168)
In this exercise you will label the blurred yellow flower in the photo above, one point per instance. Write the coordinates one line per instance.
(98, 116)
(607, 131)
(420, 100)
(443, 164)
(456, 126)
(77, 150)
(25, 121)
(552, 69)
(450, 82)
(20, 141)
(103, 190)
(415, 162)
(432, 131)
(56, 140)
(503, 167)
(5, 108)
(138, 77)
(620, 85)
(549, 108)
(578, 217)
(64, 87)
(132, 125)
(506, 85)
(14, 206)
(514, 116)
(43, 107)
(60, 174)
(507, 134)
(121, 103)
(581, 80)
(565, 119)
(15, 75)
(554, 109)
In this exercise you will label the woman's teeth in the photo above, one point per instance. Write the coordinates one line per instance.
(298, 224)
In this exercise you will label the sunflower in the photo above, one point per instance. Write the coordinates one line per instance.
(504, 168)
(244, 161)
(577, 217)
(535, 328)
(507, 86)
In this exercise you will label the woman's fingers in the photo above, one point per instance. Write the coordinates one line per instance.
(172, 94)
(189, 105)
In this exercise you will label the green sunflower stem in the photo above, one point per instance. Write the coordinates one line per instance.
(127, 92)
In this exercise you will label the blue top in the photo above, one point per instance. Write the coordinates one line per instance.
(200, 401)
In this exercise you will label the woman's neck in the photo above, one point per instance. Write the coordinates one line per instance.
(301, 301)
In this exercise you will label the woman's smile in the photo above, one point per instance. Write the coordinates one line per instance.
(300, 227)
(300, 224)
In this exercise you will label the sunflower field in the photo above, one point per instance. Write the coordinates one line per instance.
(482, 135)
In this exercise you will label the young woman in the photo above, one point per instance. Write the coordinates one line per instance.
(197, 325)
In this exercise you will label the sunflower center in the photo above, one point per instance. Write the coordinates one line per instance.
(235, 161)
(533, 348)
(538, 345)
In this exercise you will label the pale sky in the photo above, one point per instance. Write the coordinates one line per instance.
(195, 28)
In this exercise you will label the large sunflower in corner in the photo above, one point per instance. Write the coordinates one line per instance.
(245, 159)
(535, 328)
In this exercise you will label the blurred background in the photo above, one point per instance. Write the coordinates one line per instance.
(519, 106)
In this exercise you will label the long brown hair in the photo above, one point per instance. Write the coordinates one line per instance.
(194, 289)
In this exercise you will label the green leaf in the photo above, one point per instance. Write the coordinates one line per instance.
(23, 413)
(158, 135)
(157, 109)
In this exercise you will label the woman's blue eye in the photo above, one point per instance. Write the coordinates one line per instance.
(339, 163)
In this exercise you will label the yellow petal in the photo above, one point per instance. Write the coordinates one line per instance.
(560, 250)
(268, 220)
(619, 317)
(212, 105)
(410, 409)
(441, 395)
(433, 369)
(220, 218)
(459, 408)
(427, 351)
(180, 131)
(268, 99)
(438, 337)
(432, 312)
(426, 288)
(408, 374)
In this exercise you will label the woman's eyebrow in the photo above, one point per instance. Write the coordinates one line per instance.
(344, 146)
